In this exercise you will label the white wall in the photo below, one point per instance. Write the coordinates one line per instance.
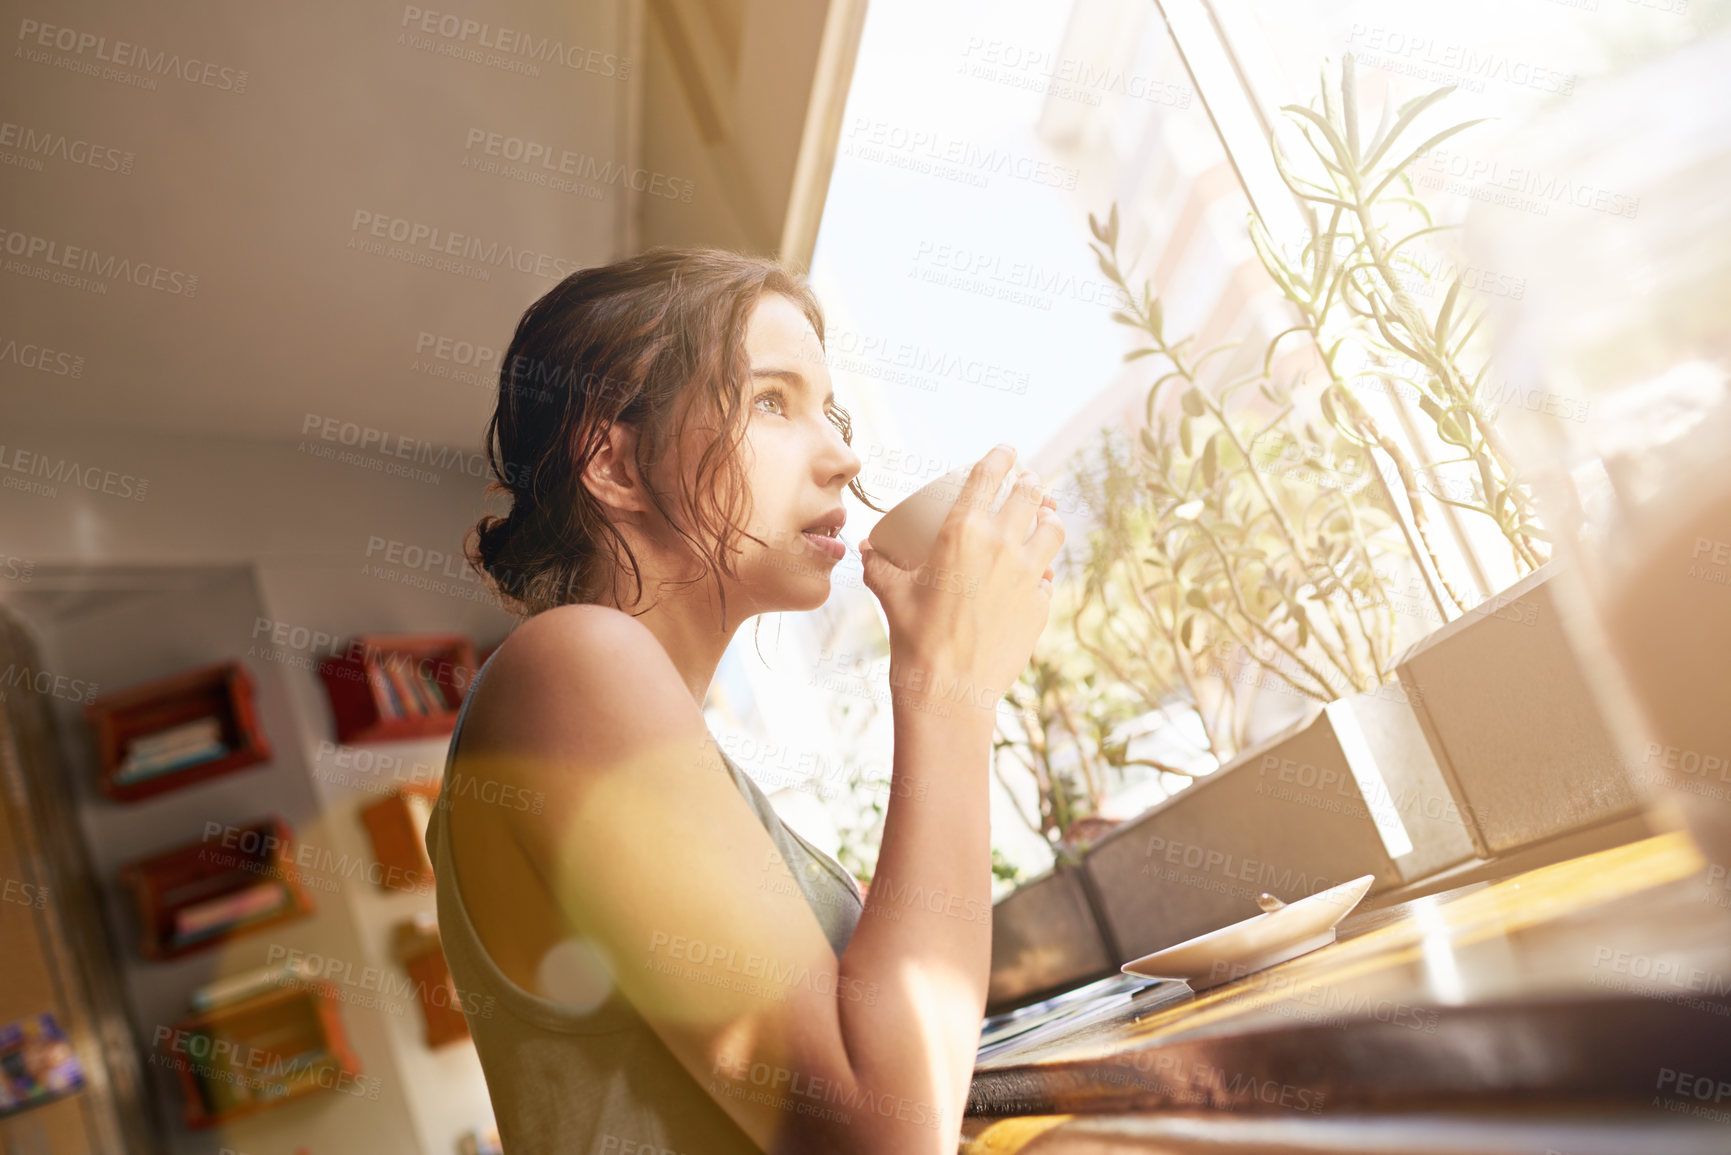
(254, 533)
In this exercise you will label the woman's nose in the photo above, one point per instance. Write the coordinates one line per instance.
(850, 461)
(840, 458)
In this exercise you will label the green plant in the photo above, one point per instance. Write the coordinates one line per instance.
(1062, 728)
(1239, 530)
(1204, 539)
(1003, 869)
(1247, 539)
(1352, 287)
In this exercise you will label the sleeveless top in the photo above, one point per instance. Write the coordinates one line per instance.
(563, 1080)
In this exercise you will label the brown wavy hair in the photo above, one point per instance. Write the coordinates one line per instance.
(650, 341)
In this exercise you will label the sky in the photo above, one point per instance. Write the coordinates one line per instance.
(991, 289)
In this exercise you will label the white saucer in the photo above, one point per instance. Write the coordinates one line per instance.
(1245, 947)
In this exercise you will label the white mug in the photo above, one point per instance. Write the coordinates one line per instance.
(907, 534)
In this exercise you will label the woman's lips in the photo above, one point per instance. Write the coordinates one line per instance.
(830, 546)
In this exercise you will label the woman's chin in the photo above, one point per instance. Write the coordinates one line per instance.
(814, 593)
(793, 583)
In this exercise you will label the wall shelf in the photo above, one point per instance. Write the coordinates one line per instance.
(397, 687)
(397, 826)
(250, 1056)
(172, 732)
(203, 893)
(415, 942)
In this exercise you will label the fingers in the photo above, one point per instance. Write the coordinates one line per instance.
(877, 567)
(1048, 535)
(983, 481)
(1023, 505)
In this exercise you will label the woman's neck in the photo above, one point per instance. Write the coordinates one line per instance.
(687, 621)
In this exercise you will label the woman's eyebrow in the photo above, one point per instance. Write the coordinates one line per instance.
(793, 375)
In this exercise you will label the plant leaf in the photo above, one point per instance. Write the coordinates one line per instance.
(1331, 411)
(1349, 106)
(1453, 430)
(1418, 152)
(1409, 112)
(1327, 130)
(1448, 308)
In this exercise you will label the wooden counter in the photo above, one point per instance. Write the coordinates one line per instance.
(1586, 1002)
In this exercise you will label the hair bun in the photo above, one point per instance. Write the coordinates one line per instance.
(493, 535)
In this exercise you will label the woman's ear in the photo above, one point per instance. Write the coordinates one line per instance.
(611, 474)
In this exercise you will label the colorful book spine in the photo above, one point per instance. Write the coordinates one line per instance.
(203, 918)
(236, 988)
(179, 746)
(198, 732)
(137, 771)
(380, 695)
(430, 691)
(390, 705)
(407, 687)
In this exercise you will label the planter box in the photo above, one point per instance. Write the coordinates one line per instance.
(1382, 738)
(1045, 939)
(1286, 817)
(1491, 740)
(1512, 724)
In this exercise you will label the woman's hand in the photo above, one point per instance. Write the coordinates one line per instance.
(963, 625)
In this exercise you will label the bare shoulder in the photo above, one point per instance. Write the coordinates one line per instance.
(583, 679)
(572, 632)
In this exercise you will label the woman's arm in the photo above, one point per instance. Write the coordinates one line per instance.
(926, 934)
(955, 646)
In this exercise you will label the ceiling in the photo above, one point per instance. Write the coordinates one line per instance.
(368, 195)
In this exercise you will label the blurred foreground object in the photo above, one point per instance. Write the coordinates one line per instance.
(1625, 321)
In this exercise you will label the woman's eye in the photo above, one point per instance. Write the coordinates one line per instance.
(771, 395)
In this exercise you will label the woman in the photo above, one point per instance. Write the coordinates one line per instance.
(649, 960)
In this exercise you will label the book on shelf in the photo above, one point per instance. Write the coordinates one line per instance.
(296, 1068)
(137, 771)
(243, 986)
(385, 691)
(404, 682)
(174, 739)
(216, 1093)
(213, 885)
(171, 749)
(430, 690)
(213, 915)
